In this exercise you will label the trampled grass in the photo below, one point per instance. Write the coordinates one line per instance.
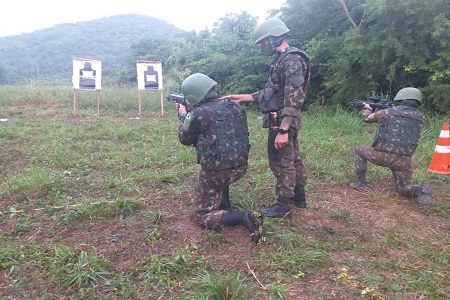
(99, 208)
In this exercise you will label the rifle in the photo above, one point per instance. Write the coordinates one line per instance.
(180, 99)
(374, 102)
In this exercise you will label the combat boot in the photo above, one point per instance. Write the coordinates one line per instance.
(424, 196)
(251, 220)
(225, 203)
(361, 183)
(254, 222)
(281, 209)
(299, 199)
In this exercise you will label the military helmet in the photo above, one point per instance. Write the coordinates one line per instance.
(270, 27)
(196, 87)
(409, 93)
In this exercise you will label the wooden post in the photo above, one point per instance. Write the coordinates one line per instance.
(74, 101)
(98, 103)
(139, 101)
(162, 104)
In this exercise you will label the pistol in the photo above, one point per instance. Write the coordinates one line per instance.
(180, 99)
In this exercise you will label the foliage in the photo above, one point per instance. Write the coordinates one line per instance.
(397, 44)
(226, 53)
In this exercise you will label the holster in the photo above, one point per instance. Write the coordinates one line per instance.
(274, 154)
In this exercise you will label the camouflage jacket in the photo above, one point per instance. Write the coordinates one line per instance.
(219, 131)
(285, 87)
(399, 128)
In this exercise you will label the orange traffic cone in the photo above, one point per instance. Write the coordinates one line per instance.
(440, 163)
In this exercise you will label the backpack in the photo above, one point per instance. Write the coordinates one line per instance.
(226, 145)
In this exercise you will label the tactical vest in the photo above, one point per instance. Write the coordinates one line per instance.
(271, 101)
(400, 132)
(226, 144)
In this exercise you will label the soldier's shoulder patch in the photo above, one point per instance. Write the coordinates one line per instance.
(190, 117)
(294, 68)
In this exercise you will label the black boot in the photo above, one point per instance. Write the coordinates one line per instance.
(225, 203)
(252, 220)
(299, 199)
(361, 183)
(281, 209)
(424, 196)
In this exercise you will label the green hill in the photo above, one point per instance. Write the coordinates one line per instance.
(48, 53)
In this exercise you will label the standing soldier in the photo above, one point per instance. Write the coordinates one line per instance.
(281, 102)
(217, 127)
(394, 144)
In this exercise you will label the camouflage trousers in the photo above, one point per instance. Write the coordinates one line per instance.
(209, 189)
(286, 164)
(400, 165)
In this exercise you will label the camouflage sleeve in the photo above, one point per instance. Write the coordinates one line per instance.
(255, 96)
(372, 117)
(294, 78)
(189, 130)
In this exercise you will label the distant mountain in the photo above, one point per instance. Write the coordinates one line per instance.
(48, 53)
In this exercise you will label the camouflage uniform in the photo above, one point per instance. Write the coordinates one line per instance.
(393, 150)
(284, 94)
(215, 174)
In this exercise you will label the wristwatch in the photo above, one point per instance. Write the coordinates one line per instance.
(282, 131)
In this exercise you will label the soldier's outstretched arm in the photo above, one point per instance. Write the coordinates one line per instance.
(239, 98)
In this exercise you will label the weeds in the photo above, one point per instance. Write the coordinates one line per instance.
(84, 270)
(228, 286)
(277, 291)
(167, 270)
(99, 208)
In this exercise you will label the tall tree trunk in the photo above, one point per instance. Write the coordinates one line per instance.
(349, 17)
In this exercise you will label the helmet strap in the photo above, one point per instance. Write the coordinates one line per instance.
(270, 48)
(211, 94)
(410, 102)
(275, 41)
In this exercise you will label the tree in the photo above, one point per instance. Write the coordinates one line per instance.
(349, 16)
(360, 46)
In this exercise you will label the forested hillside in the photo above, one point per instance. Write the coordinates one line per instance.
(47, 54)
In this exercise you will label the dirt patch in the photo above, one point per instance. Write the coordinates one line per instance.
(126, 243)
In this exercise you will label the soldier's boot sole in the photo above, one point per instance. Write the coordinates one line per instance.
(424, 197)
(300, 204)
(358, 186)
(277, 211)
(254, 222)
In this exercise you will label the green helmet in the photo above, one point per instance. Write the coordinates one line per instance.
(270, 27)
(409, 93)
(196, 87)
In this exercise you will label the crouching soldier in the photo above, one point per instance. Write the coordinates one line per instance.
(394, 144)
(217, 128)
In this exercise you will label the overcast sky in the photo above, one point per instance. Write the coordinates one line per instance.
(21, 16)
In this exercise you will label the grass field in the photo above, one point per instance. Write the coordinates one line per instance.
(98, 207)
